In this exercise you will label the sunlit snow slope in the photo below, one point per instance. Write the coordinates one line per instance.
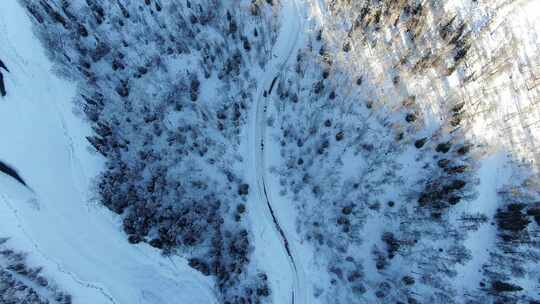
(79, 244)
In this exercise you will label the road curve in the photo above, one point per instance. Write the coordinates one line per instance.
(286, 46)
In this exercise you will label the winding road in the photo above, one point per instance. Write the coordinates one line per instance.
(286, 46)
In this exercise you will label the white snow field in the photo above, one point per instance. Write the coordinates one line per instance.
(80, 244)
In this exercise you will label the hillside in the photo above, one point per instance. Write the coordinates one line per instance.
(293, 151)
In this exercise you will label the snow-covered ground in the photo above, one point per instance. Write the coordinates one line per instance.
(273, 247)
(500, 112)
(79, 244)
(493, 173)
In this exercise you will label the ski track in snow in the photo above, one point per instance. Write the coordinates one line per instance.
(70, 147)
(73, 276)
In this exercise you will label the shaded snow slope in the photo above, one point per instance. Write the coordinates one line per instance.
(79, 244)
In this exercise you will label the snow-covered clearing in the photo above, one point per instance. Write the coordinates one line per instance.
(79, 244)
(493, 173)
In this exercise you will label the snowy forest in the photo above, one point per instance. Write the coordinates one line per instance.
(287, 151)
(386, 165)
